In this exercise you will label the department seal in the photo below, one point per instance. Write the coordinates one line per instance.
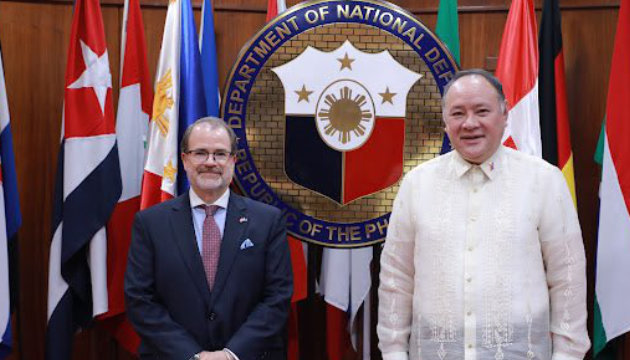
(332, 102)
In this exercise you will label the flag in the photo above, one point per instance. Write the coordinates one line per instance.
(10, 218)
(88, 185)
(517, 69)
(612, 285)
(178, 102)
(134, 106)
(207, 44)
(274, 8)
(447, 29)
(552, 96)
(345, 283)
(298, 265)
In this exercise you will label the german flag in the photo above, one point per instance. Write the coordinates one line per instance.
(552, 95)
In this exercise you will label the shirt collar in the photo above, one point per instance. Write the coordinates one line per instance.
(222, 201)
(489, 167)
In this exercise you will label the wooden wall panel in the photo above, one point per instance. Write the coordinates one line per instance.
(34, 51)
(35, 34)
(153, 19)
(480, 38)
(234, 29)
(35, 41)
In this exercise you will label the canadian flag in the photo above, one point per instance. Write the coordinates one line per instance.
(517, 69)
(132, 121)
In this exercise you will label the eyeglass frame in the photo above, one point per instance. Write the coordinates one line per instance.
(214, 154)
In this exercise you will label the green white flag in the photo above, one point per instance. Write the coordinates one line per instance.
(612, 283)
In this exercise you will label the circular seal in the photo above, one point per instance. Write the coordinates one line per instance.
(345, 115)
(332, 102)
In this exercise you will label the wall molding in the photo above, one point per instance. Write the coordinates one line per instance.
(574, 5)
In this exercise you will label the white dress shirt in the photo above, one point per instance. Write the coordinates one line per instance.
(199, 215)
(483, 262)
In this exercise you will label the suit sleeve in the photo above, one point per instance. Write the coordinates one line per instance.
(149, 317)
(269, 317)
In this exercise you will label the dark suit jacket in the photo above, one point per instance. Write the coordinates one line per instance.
(167, 296)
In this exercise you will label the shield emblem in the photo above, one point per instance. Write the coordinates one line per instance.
(345, 120)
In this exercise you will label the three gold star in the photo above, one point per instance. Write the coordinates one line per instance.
(303, 94)
(387, 96)
(346, 62)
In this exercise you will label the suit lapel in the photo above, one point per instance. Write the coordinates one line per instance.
(184, 236)
(230, 244)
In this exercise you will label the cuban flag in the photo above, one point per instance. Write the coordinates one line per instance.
(10, 218)
(88, 185)
(134, 108)
(179, 100)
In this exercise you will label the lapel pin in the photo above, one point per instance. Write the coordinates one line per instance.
(242, 220)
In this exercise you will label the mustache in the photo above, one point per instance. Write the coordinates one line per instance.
(209, 169)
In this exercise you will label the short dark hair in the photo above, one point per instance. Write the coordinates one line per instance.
(214, 123)
(491, 79)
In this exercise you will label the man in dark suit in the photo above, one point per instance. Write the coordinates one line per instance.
(209, 272)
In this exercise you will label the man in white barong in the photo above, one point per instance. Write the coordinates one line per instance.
(484, 256)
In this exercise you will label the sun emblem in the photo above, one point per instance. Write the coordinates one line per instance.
(345, 115)
(163, 101)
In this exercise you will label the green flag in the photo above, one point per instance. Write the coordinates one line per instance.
(447, 28)
(599, 151)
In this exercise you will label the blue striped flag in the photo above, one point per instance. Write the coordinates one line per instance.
(88, 185)
(10, 218)
(207, 44)
(192, 104)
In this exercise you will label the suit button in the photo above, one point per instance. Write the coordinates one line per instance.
(212, 316)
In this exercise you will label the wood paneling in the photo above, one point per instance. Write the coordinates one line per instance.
(34, 47)
(233, 30)
(35, 36)
(153, 29)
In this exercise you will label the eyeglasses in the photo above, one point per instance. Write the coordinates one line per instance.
(199, 156)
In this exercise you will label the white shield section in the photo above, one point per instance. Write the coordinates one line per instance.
(310, 73)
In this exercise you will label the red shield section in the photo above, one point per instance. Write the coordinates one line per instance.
(376, 165)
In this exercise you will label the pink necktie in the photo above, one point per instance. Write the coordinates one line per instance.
(210, 244)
